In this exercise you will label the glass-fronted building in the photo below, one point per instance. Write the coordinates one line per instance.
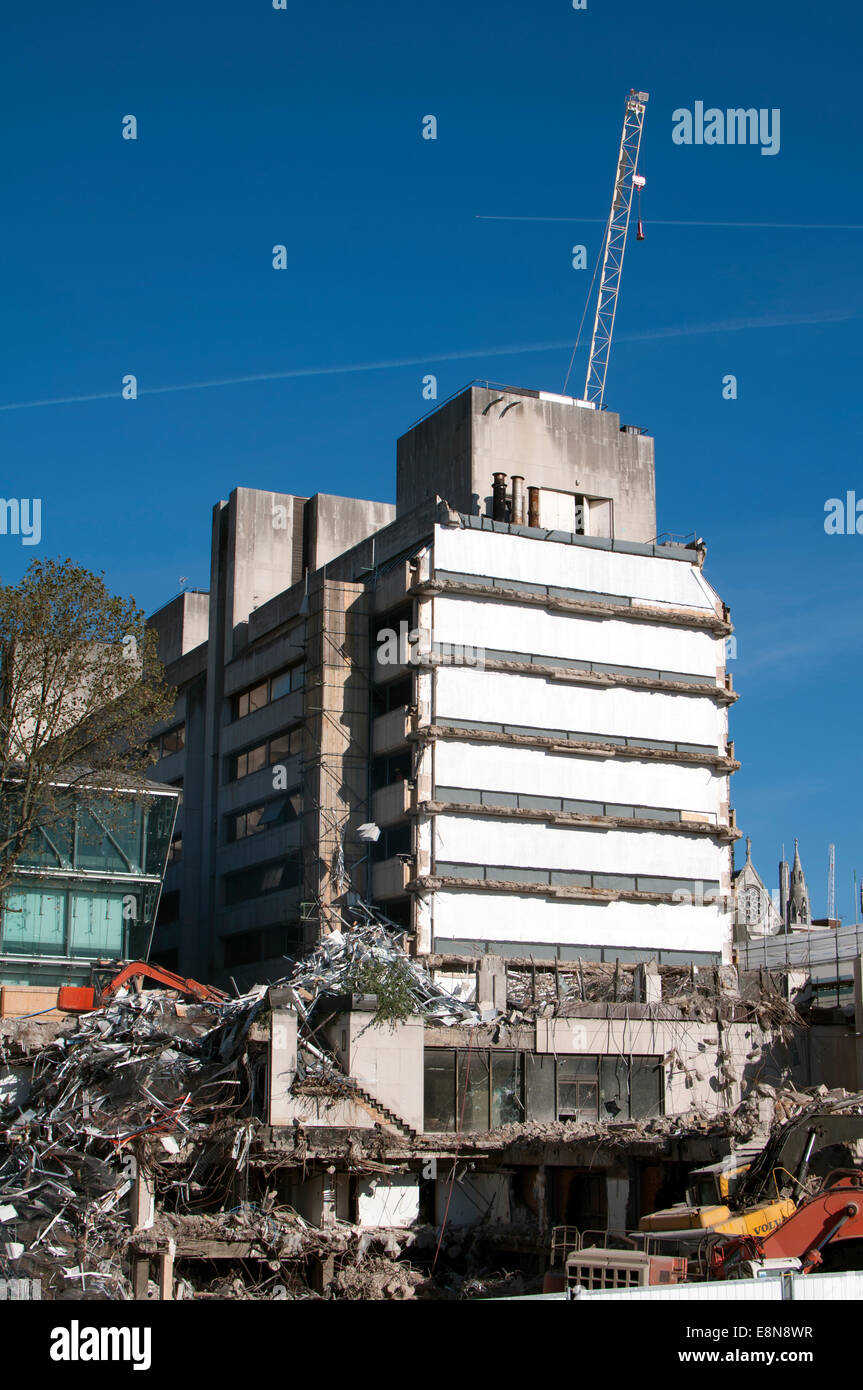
(87, 886)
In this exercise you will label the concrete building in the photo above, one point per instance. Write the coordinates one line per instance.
(508, 675)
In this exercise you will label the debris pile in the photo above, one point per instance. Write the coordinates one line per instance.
(175, 1091)
(370, 958)
(145, 1081)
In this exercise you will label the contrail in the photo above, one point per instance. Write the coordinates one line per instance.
(429, 359)
(659, 222)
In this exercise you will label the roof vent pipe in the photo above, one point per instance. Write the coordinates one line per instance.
(498, 497)
(517, 500)
(533, 506)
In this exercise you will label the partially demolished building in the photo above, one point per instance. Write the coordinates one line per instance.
(508, 679)
(465, 763)
(311, 1137)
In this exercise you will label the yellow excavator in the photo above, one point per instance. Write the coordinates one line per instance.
(746, 1195)
(709, 1200)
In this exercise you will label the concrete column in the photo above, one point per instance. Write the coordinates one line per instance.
(166, 1271)
(491, 983)
(647, 983)
(321, 1271)
(140, 1278)
(142, 1202)
(283, 1065)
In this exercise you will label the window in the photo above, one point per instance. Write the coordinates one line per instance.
(250, 700)
(397, 768)
(395, 839)
(477, 1089)
(631, 1088)
(286, 745)
(577, 1088)
(169, 909)
(268, 752)
(172, 741)
(268, 943)
(269, 689)
(252, 760)
(262, 879)
(386, 698)
(279, 810)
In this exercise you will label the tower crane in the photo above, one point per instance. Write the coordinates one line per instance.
(627, 181)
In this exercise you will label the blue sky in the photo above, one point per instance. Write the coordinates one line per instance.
(303, 127)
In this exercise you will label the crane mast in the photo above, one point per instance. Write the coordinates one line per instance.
(615, 245)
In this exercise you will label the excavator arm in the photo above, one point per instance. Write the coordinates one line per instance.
(827, 1219)
(77, 999)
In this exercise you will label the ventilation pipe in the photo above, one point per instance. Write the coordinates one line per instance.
(533, 506)
(517, 500)
(498, 497)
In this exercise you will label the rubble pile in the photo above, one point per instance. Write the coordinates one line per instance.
(370, 950)
(700, 994)
(150, 1083)
(146, 1080)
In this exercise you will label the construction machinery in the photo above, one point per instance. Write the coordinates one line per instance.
(825, 1232)
(81, 999)
(627, 181)
(753, 1195)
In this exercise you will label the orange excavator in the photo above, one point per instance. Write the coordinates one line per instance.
(82, 999)
(824, 1233)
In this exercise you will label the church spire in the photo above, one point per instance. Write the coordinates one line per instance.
(799, 910)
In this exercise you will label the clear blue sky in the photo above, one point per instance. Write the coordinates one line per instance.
(259, 126)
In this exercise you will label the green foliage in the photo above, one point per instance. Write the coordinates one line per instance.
(392, 982)
(81, 690)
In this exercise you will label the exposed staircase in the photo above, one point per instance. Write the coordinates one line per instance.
(381, 1114)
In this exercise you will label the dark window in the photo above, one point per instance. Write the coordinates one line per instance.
(262, 879)
(173, 740)
(250, 700)
(631, 1089)
(267, 753)
(394, 840)
(386, 698)
(473, 1090)
(647, 1087)
(397, 768)
(271, 688)
(279, 810)
(507, 1089)
(286, 745)
(251, 760)
(439, 1065)
(169, 909)
(267, 943)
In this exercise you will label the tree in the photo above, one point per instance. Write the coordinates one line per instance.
(81, 689)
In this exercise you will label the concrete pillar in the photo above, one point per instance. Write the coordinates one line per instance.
(283, 1064)
(166, 1270)
(143, 1201)
(491, 983)
(617, 1197)
(328, 1200)
(140, 1278)
(321, 1271)
(647, 983)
